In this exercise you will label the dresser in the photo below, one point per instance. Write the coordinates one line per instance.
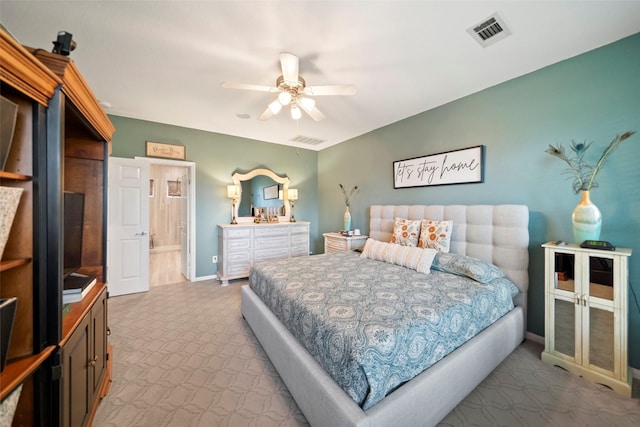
(336, 242)
(586, 313)
(240, 245)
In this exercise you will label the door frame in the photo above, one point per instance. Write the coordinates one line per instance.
(191, 166)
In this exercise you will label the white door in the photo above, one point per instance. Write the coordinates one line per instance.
(184, 224)
(128, 226)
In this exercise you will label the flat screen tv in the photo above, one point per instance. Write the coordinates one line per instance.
(72, 233)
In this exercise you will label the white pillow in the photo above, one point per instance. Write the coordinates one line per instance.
(406, 256)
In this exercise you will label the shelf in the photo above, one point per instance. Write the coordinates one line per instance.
(14, 176)
(8, 264)
(16, 371)
(78, 310)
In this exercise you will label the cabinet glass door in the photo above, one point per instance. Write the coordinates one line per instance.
(564, 305)
(601, 317)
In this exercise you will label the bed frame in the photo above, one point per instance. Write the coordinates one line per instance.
(498, 234)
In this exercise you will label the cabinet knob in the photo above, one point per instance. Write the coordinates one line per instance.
(92, 363)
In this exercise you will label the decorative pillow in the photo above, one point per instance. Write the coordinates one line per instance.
(406, 256)
(435, 234)
(406, 232)
(476, 269)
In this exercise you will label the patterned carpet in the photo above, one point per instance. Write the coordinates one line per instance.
(183, 356)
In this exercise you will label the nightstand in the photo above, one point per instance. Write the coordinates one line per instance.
(336, 242)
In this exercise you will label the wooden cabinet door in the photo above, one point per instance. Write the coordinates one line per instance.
(76, 381)
(98, 354)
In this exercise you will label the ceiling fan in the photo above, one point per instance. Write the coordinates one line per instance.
(293, 91)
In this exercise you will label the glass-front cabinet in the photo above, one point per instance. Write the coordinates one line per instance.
(586, 313)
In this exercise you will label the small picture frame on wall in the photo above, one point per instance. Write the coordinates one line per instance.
(151, 188)
(174, 189)
(165, 151)
(270, 192)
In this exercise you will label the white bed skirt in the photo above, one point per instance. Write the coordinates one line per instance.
(423, 401)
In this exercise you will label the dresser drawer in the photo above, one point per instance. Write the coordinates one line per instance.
(233, 268)
(334, 245)
(270, 231)
(299, 229)
(299, 250)
(271, 253)
(271, 242)
(237, 233)
(238, 245)
(297, 239)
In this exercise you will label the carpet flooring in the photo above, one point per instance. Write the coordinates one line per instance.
(183, 356)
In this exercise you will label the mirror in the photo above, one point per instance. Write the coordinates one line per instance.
(260, 188)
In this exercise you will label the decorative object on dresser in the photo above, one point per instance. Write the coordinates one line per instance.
(241, 245)
(336, 242)
(347, 202)
(586, 313)
(292, 196)
(586, 218)
(233, 193)
(9, 201)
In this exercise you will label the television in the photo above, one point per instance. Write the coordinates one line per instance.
(72, 232)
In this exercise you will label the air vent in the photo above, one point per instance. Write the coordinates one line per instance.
(307, 140)
(489, 31)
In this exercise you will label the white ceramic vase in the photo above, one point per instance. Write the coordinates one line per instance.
(586, 220)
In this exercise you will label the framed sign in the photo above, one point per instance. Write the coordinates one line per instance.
(270, 192)
(166, 151)
(452, 167)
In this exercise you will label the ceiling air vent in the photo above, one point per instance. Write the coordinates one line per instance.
(307, 140)
(489, 31)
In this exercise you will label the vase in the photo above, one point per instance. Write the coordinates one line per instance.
(347, 219)
(586, 220)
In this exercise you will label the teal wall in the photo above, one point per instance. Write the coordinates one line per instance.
(590, 97)
(217, 157)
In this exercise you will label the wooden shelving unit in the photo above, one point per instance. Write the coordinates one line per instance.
(61, 143)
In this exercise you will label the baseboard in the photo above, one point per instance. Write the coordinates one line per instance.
(540, 340)
(203, 278)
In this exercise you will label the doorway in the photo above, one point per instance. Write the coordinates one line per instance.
(171, 221)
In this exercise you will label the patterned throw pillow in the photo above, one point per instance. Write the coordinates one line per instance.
(406, 232)
(435, 234)
(406, 256)
(476, 269)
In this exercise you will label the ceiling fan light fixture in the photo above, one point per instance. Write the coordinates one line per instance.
(284, 97)
(295, 112)
(275, 107)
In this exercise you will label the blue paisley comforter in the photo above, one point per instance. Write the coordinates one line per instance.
(371, 325)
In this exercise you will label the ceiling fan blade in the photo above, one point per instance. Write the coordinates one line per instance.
(314, 113)
(266, 115)
(330, 90)
(289, 64)
(244, 86)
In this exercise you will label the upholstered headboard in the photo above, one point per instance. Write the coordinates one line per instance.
(495, 233)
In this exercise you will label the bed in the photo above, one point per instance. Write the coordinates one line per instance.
(496, 234)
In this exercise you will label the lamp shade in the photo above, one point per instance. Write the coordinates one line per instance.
(292, 194)
(295, 112)
(233, 191)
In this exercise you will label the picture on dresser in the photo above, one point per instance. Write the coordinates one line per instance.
(272, 218)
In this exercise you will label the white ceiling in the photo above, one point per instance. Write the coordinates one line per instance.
(163, 61)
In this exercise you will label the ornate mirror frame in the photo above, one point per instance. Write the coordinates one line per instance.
(239, 177)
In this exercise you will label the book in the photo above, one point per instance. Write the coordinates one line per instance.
(76, 287)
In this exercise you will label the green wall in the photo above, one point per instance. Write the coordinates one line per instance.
(217, 157)
(590, 97)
